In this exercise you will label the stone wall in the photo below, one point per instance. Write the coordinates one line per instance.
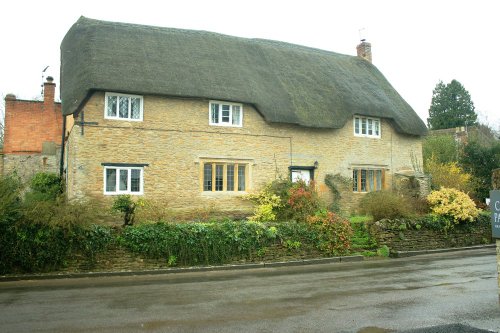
(398, 236)
(118, 259)
(175, 138)
(26, 165)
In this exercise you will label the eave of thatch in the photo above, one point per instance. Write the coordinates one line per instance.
(286, 83)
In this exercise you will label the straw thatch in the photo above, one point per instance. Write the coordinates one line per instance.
(286, 83)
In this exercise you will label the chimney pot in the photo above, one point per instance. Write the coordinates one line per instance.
(50, 79)
(10, 97)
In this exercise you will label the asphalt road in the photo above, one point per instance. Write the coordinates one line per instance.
(366, 297)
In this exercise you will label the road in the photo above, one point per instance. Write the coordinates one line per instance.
(370, 297)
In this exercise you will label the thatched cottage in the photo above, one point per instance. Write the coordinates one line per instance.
(197, 118)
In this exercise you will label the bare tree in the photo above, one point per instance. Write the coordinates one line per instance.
(2, 119)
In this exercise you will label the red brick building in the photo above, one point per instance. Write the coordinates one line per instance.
(32, 134)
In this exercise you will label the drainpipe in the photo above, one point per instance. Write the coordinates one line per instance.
(61, 162)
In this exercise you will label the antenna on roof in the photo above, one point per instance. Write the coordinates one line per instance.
(361, 36)
(43, 77)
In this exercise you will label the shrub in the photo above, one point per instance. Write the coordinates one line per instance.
(453, 204)
(336, 232)
(125, 205)
(44, 186)
(10, 199)
(443, 148)
(303, 200)
(448, 175)
(63, 213)
(283, 200)
(383, 251)
(480, 161)
(267, 204)
(38, 247)
(384, 204)
(198, 243)
(154, 210)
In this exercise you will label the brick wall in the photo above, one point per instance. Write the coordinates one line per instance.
(29, 125)
(175, 137)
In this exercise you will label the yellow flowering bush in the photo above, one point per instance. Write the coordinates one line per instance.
(448, 175)
(452, 203)
(266, 203)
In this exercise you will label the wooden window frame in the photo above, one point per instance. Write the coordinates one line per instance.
(357, 180)
(236, 175)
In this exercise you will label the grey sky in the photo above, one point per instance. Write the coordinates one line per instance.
(415, 43)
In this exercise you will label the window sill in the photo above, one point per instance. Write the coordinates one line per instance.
(123, 193)
(226, 125)
(367, 136)
(210, 194)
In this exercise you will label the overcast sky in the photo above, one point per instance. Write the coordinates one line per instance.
(415, 43)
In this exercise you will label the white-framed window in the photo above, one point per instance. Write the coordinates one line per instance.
(123, 179)
(123, 107)
(225, 114)
(225, 177)
(367, 180)
(367, 127)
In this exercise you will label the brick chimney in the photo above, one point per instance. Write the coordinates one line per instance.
(365, 50)
(49, 88)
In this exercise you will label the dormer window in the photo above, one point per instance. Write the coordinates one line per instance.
(367, 127)
(225, 114)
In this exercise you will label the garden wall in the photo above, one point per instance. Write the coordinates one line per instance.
(411, 235)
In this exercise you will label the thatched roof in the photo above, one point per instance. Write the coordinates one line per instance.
(286, 83)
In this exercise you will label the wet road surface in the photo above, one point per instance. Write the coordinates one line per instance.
(369, 297)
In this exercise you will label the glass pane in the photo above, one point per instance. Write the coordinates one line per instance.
(363, 125)
(219, 177)
(304, 175)
(135, 180)
(355, 180)
(356, 125)
(371, 180)
(379, 179)
(110, 180)
(225, 113)
(207, 177)
(236, 115)
(230, 177)
(214, 116)
(123, 180)
(363, 180)
(370, 127)
(377, 127)
(123, 107)
(241, 178)
(135, 108)
(111, 111)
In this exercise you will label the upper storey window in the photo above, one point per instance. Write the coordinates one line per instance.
(226, 114)
(367, 127)
(123, 107)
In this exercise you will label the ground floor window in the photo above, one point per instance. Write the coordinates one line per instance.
(222, 176)
(123, 179)
(367, 180)
(304, 173)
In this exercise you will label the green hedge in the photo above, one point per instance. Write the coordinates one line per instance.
(212, 243)
(36, 247)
